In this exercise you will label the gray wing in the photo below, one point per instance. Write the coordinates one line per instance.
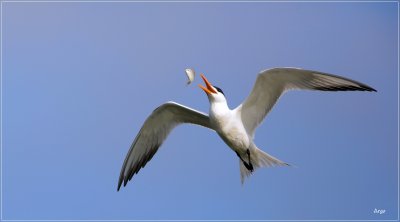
(152, 134)
(272, 83)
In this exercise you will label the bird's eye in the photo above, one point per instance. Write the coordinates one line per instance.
(219, 90)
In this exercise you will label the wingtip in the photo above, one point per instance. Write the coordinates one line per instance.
(122, 182)
(119, 185)
(365, 87)
(368, 88)
(291, 165)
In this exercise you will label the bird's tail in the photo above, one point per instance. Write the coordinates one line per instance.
(259, 159)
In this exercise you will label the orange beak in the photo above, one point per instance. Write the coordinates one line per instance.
(210, 89)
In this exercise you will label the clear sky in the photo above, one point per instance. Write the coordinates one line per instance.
(79, 79)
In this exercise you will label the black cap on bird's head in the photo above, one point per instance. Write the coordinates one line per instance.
(219, 90)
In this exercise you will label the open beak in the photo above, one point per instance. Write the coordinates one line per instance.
(210, 89)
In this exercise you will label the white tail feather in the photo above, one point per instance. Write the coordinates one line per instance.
(259, 159)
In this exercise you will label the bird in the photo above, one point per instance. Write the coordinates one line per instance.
(236, 127)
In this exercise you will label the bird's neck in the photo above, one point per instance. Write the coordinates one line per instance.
(219, 109)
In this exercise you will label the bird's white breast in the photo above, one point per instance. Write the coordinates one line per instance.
(229, 127)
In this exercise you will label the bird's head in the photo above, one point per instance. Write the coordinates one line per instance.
(214, 93)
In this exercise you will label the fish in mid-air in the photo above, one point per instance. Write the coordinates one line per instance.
(190, 74)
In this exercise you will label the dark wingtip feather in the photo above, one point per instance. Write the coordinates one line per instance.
(119, 183)
(322, 82)
(121, 180)
(360, 87)
(365, 87)
(372, 89)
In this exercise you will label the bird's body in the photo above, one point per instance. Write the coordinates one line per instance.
(226, 123)
(236, 127)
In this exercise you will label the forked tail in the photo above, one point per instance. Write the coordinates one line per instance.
(259, 159)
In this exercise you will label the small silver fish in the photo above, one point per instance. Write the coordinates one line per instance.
(190, 74)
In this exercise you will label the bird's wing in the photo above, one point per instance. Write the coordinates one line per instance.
(153, 132)
(272, 83)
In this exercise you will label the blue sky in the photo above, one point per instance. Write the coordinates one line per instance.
(79, 79)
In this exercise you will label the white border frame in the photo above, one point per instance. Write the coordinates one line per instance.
(183, 1)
